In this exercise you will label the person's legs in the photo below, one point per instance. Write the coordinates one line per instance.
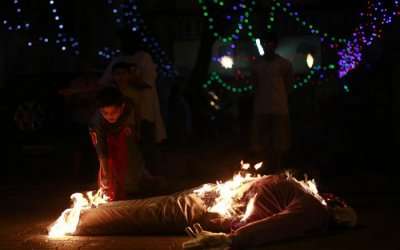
(271, 140)
(263, 138)
(271, 160)
(148, 145)
(280, 140)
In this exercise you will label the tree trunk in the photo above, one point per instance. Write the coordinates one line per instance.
(199, 76)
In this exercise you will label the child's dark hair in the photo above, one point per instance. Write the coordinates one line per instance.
(122, 65)
(109, 96)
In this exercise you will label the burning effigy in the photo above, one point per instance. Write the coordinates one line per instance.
(247, 210)
(68, 221)
(220, 200)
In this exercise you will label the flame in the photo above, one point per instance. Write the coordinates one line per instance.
(68, 221)
(225, 198)
(244, 166)
(258, 165)
(309, 186)
(249, 208)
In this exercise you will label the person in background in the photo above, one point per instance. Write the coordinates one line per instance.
(272, 76)
(137, 75)
(79, 105)
(150, 111)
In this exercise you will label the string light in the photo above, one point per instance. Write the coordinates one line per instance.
(346, 88)
(310, 61)
(128, 11)
(286, 8)
(349, 50)
(376, 16)
(315, 75)
(63, 41)
(128, 15)
(260, 47)
(215, 78)
(20, 24)
(242, 12)
(226, 62)
(108, 53)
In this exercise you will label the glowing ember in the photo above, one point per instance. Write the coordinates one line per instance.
(68, 221)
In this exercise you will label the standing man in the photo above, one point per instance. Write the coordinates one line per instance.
(272, 76)
(152, 124)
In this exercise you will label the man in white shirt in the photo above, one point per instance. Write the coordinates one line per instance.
(272, 76)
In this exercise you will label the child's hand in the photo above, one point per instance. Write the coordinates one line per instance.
(93, 136)
(127, 131)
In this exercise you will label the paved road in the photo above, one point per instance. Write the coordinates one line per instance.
(28, 206)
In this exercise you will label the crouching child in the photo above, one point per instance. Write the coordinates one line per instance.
(113, 132)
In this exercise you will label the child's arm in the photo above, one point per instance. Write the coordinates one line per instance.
(104, 178)
(99, 141)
